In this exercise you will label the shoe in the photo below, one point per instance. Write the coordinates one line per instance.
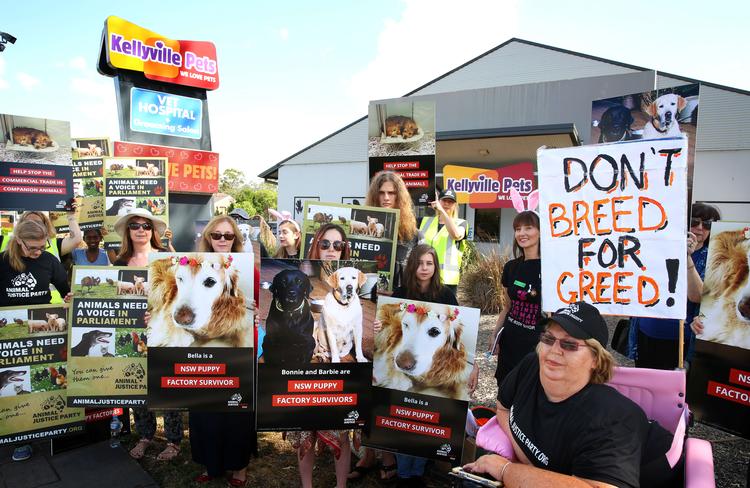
(203, 478)
(388, 473)
(236, 482)
(359, 472)
(22, 453)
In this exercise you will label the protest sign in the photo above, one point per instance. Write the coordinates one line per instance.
(371, 232)
(34, 374)
(614, 218)
(200, 336)
(34, 140)
(91, 147)
(489, 188)
(108, 341)
(315, 368)
(719, 381)
(401, 138)
(190, 171)
(131, 183)
(36, 186)
(419, 401)
(88, 190)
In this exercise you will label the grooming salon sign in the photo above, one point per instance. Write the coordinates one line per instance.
(131, 47)
(614, 215)
(160, 113)
(34, 375)
(489, 188)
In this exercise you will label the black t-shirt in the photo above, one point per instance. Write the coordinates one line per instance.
(596, 434)
(31, 287)
(403, 249)
(523, 281)
(446, 296)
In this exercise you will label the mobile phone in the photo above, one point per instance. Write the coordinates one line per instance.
(477, 480)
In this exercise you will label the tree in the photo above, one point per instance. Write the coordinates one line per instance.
(232, 181)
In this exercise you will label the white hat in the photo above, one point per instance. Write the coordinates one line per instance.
(122, 221)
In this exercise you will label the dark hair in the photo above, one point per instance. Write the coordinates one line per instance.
(98, 231)
(704, 211)
(315, 250)
(413, 291)
(526, 217)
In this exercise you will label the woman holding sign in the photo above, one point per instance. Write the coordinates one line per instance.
(446, 233)
(514, 335)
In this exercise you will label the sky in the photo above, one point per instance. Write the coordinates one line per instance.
(292, 72)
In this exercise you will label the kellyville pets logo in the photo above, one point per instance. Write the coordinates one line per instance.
(444, 450)
(351, 417)
(26, 280)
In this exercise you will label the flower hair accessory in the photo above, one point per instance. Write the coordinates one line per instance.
(425, 311)
(192, 262)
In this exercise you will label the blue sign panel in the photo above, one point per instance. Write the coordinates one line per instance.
(161, 113)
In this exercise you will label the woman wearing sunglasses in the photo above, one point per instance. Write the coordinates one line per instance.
(656, 340)
(140, 232)
(329, 244)
(222, 442)
(566, 426)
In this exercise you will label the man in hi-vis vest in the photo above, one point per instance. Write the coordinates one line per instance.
(446, 233)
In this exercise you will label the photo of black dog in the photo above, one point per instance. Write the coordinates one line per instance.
(615, 125)
(289, 326)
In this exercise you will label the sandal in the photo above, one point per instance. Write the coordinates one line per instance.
(203, 478)
(388, 472)
(140, 448)
(359, 472)
(170, 452)
(232, 481)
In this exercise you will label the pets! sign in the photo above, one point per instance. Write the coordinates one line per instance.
(614, 218)
(34, 375)
(108, 341)
(131, 47)
(189, 171)
(489, 188)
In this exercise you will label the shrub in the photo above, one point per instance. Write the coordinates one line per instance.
(481, 283)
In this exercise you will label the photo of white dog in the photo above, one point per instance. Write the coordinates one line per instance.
(339, 329)
(198, 300)
(725, 304)
(425, 348)
(664, 112)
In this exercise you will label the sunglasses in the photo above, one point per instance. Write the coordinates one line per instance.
(137, 225)
(565, 344)
(337, 245)
(695, 222)
(35, 248)
(228, 236)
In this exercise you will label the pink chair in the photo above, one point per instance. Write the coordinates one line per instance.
(661, 395)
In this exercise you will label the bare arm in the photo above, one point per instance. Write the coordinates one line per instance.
(74, 236)
(694, 281)
(455, 231)
(500, 319)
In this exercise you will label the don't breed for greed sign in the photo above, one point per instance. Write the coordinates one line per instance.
(613, 217)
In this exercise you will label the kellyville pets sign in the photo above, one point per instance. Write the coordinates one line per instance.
(108, 346)
(489, 188)
(614, 217)
(34, 375)
(131, 47)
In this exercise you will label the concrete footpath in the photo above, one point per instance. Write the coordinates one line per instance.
(96, 465)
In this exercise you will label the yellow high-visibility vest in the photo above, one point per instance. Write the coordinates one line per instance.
(52, 249)
(450, 255)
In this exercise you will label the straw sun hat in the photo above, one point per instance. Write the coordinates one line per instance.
(157, 222)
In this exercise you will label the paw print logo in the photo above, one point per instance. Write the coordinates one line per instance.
(24, 279)
(236, 397)
(446, 448)
(354, 415)
(159, 190)
(134, 370)
(54, 403)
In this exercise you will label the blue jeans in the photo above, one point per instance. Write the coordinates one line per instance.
(633, 338)
(410, 466)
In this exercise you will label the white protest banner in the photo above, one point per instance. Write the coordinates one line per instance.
(613, 227)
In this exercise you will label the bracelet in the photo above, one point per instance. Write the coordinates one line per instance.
(502, 472)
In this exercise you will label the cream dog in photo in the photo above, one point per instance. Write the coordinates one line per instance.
(664, 112)
(340, 326)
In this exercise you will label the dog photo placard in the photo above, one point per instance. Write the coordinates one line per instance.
(88, 189)
(719, 386)
(33, 140)
(108, 342)
(34, 374)
(133, 183)
(614, 216)
(371, 233)
(200, 334)
(423, 356)
(315, 367)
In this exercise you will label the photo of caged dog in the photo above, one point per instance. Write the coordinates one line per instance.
(423, 348)
(725, 304)
(197, 301)
(26, 136)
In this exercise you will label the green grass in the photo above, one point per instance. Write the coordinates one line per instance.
(103, 290)
(14, 331)
(127, 349)
(44, 384)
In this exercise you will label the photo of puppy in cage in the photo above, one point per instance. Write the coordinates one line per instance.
(401, 128)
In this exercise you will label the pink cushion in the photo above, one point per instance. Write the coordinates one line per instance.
(492, 438)
(699, 464)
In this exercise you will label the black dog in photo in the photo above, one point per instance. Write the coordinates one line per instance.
(289, 326)
(91, 343)
(615, 125)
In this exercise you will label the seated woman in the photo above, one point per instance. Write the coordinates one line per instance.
(568, 428)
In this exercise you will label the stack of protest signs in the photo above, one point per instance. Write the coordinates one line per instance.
(200, 335)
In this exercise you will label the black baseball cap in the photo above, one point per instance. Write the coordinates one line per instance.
(581, 320)
(448, 194)
(239, 213)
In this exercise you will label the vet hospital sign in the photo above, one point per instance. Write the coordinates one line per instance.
(189, 63)
(161, 113)
(488, 188)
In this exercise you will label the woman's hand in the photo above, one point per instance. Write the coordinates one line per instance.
(146, 318)
(697, 325)
(491, 464)
(377, 325)
(692, 243)
(168, 234)
(68, 297)
(473, 379)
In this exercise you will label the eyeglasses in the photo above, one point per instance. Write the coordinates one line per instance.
(34, 248)
(337, 245)
(228, 236)
(565, 344)
(695, 222)
(137, 225)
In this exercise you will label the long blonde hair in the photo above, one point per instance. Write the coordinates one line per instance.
(126, 245)
(28, 230)
(204, 245)
(281, 251)
(407, 227)
(51, 232)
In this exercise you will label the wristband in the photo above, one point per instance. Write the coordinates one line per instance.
(502, 472)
